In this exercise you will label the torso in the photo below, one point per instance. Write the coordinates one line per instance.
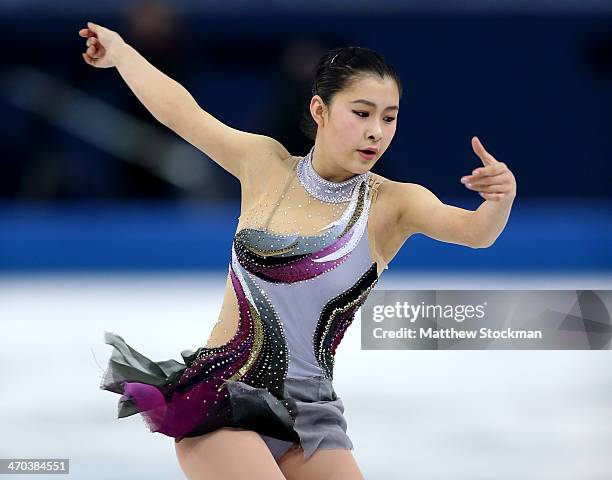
(384, 239)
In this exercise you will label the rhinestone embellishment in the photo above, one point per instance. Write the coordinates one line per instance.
(324, 190)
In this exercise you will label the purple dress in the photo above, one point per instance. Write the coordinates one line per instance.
(297, 294)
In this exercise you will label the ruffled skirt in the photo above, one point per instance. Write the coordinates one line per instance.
(193, 398)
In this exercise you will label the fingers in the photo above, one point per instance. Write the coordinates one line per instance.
(496, 187)
(489, 171)
(88, 59)
(91, 30)
(477, 181)
(493, 188)
(95, 50)
(91, 51)
(496, 197)
(493, 169)
(494, 181)
(95, 47)
(479, 149)
(92, 55)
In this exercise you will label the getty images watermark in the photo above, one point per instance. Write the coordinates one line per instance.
(487, 320)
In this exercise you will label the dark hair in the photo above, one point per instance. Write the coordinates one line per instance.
(338, 69)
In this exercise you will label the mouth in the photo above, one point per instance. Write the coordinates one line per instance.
(367, 154)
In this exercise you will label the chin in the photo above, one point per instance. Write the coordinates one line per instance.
(364, 165)
(362, 169)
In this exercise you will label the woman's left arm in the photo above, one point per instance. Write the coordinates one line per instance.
(418, 210)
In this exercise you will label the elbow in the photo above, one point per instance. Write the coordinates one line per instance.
(481, 244)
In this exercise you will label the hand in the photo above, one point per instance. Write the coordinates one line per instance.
(494, 181)
(102, 45)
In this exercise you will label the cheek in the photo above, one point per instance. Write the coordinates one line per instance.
(348, 126)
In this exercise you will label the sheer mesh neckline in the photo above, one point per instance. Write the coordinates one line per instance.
(285, 206)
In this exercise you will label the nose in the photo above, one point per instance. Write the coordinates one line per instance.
(375, 133)
(375, 129)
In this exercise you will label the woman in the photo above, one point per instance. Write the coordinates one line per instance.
(314, 235)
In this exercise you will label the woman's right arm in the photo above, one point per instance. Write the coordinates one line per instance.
(242, 154)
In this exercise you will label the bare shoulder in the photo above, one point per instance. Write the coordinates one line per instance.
(273, 155)
(388, 194)
(266, 165)
(392, 190)
(397, 207)
(260, 163)
(402, 199)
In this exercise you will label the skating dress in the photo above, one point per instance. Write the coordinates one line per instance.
(300, 267)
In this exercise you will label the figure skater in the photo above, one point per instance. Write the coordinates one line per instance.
(314, 235)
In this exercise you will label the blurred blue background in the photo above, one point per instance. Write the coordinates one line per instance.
(110, 221)
(91, 180)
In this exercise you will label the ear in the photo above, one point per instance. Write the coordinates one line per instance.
(318, 110)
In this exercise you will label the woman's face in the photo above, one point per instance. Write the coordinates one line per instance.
(360, 116)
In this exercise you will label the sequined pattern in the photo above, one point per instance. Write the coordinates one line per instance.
(318, 187)
(336, 317)
(299, 258)
(297, 289)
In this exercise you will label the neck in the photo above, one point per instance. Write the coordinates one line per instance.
(325, 168)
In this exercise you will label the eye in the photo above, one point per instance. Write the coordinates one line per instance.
(390, 119)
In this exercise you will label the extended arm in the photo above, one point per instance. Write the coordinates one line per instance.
(240, 153)
(422, 212)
